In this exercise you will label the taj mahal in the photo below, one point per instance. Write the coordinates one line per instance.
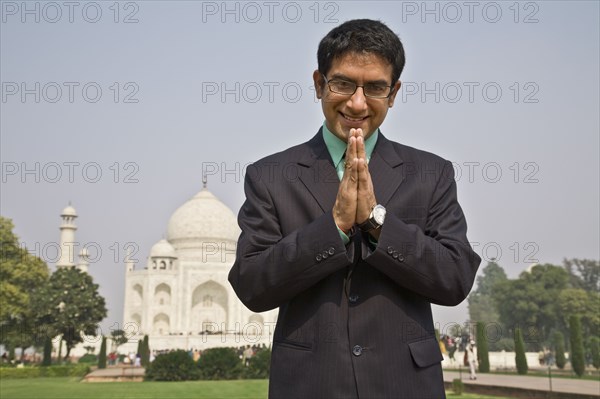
(181, 297)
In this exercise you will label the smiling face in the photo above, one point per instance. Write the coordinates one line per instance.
(344, 112)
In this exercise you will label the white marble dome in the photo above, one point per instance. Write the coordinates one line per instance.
(162, 249)
(203, 218)
(69, 211)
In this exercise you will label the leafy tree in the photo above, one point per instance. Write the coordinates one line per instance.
(119, 337)
(577, 301)
(584, 273)
(595, 350)
(481, 305)
(520, 358)
(70, 306)
(21, 274)
(102, 356)
(559, 348)
(577, 355)
(482, 350)
(531, 301)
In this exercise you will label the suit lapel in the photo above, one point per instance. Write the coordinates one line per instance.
(318, 173)
(321, 180)
(385, 171)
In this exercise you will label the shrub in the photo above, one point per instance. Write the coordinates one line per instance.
(172, 366)
(520, 358)
(260, 365)
(577, 356)
(457, 386)
(79, 370)
(559, 348)
(220, 364)
(88, 358)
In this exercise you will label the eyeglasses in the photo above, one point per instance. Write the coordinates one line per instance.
(371, 90)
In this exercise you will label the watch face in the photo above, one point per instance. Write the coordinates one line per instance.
(379, 214)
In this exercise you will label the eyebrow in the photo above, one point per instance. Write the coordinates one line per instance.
(346, 78)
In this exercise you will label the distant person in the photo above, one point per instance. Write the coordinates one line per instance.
(471, 351)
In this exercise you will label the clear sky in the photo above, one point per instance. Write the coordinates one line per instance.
(119, 107)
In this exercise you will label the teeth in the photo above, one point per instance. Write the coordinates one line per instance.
(353, 119)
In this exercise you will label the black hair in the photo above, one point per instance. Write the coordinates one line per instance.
(362, 36)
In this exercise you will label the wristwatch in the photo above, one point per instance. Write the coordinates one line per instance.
(375, 219)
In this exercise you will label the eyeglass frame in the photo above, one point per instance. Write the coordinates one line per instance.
(327, 81)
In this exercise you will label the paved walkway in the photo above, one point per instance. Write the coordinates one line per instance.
(116, 373)
(566, 385)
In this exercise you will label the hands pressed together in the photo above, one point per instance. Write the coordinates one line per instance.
(356, 197)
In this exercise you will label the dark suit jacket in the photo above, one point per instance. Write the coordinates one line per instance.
(354, 321)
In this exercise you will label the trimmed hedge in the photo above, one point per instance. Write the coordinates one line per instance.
(88, 358)
(220, 364)
(260, 365)
(172, 366)
(79, 370)
(214, 364)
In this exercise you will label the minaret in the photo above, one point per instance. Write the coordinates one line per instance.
(67, 237)
(84, 260)
(129, 263)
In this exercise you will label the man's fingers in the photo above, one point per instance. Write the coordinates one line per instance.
(365, 193)
(351, 150)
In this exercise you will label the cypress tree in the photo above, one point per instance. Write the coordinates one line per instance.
(595, 349)
(520, 358)
(102, 356)
(145, 352)
(577, 356)
(47, 360)
(559, 348)
(482, 349)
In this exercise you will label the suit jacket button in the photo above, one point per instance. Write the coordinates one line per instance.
(357, 350)
(401, 258)
(331, 250)
(353, 298)
(325, 255)
(390, 250)
(318, 257)
(395, 255)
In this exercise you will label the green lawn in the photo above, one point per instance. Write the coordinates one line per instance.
(67, 388)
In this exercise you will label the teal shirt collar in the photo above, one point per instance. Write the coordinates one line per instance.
(337, 147)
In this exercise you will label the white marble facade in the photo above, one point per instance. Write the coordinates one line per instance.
(181, 297)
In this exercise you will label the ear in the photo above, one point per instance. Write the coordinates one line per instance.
(319, 83)
(393, 96)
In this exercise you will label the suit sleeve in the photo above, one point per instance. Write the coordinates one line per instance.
(437, 263)
(271, 269)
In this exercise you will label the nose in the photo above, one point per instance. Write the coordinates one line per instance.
(358, 101)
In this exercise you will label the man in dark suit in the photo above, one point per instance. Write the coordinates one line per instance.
(353, 237)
